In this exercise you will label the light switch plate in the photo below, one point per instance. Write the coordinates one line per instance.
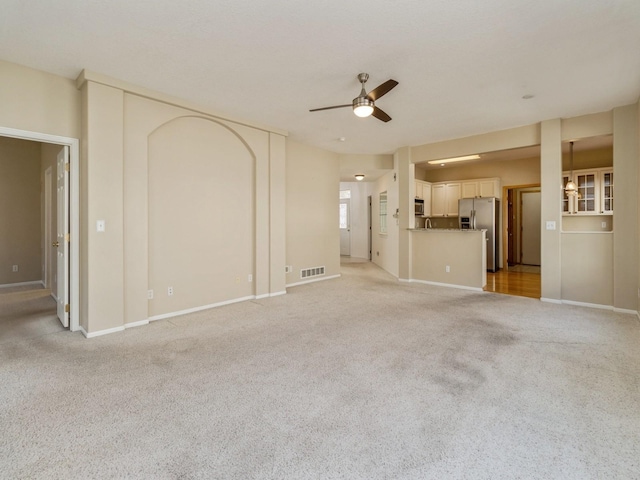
(551, 225)
(100, 226)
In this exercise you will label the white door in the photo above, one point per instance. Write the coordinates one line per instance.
(62, 243)
(345, 227)
(46, 273)
(530, 254)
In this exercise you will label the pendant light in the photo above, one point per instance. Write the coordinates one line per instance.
(571, 188)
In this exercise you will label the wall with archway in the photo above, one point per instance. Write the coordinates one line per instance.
(190, 201)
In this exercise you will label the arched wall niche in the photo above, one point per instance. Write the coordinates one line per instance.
(201, 188)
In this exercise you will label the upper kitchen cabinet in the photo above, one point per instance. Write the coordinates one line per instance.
(594, 192)
(444, 199)
(589, 164)
(484, 187)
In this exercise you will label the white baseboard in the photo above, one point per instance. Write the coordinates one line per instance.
(313, 280)
(136, 324)
(551, 300)
(101, 332)
(625, 310)
(53, 295)
(438, 284)
(269, 295)
(21, 284)
(198, 309)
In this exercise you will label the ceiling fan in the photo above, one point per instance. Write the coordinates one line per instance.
(364, 104)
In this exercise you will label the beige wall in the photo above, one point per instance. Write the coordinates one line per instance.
(20, 242)
(38, 102)
(463, 252)
(587, 260)
(190, 201)
(312, 207)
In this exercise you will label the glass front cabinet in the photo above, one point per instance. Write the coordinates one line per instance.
(595, 192)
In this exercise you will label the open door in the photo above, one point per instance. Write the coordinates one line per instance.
(62, 241)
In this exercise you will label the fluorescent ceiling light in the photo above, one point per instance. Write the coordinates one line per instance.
(454, 159)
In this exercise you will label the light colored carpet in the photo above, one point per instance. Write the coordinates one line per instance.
(355, 378)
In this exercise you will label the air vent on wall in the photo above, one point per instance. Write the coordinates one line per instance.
(311, 272)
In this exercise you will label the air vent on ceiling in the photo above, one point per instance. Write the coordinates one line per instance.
(311, 272)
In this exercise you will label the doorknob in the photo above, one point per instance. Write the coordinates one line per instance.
(55, 244)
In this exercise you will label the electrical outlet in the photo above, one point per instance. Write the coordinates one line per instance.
(14, 268)
(170, 291)
(447, 269)
(250, 278)
(150, 294)
(288, 268)
(604, 224)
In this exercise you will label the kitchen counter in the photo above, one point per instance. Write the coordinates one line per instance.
(451, 257)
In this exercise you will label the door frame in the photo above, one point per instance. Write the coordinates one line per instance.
(505, 213)
(72, 203)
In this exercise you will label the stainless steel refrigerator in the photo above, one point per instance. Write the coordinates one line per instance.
(482, 214)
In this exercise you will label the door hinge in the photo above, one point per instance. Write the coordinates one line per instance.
(67, 237)
(67, 167)
(66, 308)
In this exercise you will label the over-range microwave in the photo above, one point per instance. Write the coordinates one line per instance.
(419, 206)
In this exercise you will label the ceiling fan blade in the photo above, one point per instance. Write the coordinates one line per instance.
(381, 90)
(329, 108)
(380, 115)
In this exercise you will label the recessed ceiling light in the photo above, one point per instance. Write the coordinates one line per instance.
(342, 139)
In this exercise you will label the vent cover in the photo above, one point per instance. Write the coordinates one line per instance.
(311, 272)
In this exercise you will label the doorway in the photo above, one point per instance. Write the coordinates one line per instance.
(345, 223)
(70, 200)
(521, 235)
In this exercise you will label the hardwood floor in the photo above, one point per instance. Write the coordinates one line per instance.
(522, 284)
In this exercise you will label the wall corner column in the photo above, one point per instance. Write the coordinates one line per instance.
(405, 204)
(277, 226)
(551, 194)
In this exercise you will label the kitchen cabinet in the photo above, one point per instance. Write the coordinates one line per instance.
(444, 199)
(595, 192)
(426, 192)
(484, 187)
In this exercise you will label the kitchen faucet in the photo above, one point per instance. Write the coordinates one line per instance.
(427, 223)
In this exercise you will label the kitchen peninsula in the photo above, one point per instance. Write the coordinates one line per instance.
(450, 257)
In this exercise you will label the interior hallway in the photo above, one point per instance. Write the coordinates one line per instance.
(27, 312)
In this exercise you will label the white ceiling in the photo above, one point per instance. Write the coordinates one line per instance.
(463, 66)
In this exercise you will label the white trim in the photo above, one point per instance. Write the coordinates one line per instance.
(136, 324)
(438, 284)
(313, 280)
(625, 310)
(551, 300)
(197, 309)
(53, 295)
(589, 305)
(74, 206)
(20, 284)
(269, 295)
(99, 333)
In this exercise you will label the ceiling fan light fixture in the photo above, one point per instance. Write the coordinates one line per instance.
(359, 177)
(362, 106)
